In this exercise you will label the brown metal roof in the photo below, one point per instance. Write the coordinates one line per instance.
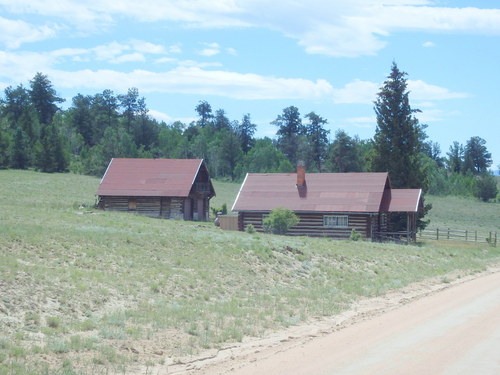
(323, 192)
(405, 200)
(149, 177)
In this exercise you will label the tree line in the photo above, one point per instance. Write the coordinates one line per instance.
(36, 133)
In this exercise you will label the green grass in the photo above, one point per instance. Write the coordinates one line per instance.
(464, 214)
(80, 287)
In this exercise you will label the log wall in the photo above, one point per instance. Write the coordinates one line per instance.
(311, 224)
(158, 207)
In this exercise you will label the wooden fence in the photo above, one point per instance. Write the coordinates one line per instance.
(228, 222)
(459, 235)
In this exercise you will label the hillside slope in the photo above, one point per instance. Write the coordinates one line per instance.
(102, 291)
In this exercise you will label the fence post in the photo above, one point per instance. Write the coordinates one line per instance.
(475, 235)
(448, 237)
(437, 233)
(466, 238)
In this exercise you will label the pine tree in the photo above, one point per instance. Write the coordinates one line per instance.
(399, 136)
(317, 136)
(44, 98)
(245, 131)
(344, 154)
(477, 159)
(398, 142)
(19, 153)
(290, 129)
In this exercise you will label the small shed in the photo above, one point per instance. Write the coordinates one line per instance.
(161, 188)
(327, 204)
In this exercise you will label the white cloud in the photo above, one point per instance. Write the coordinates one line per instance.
(147, 47)
(130, 57)
(211, 49)
(428, 44)
(334, 27)
(161, 116)
(195, 80)
(362, 122)
(420, 90)
(14, 33)
(363, 92)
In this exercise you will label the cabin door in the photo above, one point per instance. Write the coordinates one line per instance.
(200, 209)
(188, 209)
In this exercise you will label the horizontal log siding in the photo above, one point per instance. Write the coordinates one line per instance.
(167, 208)
(148, 206)
(115, 203)
(177, 208)
(311, 224)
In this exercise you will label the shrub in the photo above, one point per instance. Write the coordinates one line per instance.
(355, 235)
(486, 187)
(250, 228)
(222, 210)
(280, 221)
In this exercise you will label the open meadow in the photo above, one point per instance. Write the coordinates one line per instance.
(84, 291)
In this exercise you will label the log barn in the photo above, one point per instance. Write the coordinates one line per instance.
(161, 188)
(327, 204)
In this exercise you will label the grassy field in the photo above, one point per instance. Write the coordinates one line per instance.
(92, 292)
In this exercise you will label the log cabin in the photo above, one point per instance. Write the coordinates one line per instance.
(162, 188)
(328, 204)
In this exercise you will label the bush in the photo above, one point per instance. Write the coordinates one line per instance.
(486, 187)
(355, 235)
(280, 220)
(250, 229)
(222, 210)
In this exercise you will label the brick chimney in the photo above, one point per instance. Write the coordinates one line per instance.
(301, 175)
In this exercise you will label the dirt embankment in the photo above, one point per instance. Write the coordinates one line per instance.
(442, 325)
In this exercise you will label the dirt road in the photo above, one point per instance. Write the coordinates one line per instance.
(455, 330)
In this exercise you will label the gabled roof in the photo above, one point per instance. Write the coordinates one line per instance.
(323, 192)
(150, 177)
(405, 200)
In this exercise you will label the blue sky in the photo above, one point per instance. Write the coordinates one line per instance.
(258, 57)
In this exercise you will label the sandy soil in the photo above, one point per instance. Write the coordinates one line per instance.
(433, 327)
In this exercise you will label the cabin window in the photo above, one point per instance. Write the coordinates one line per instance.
(336, 221)
(132, 204)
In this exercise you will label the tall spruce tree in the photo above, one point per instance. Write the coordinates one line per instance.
(399, 137)
(398, 141)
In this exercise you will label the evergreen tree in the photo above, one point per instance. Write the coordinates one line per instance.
(105, 114)
(455, 160)
(486, 187)
(4, 147)
(44, 98)
(81, 118)
(19, 153)
(221, 121)
(398, 137)
(344, 154)
(290, 128)
(477, 159)
(245, 131)
(230, 152)
(50, 155)
(398, 142)
(317, 136)
(204, 110)
(130, 106)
